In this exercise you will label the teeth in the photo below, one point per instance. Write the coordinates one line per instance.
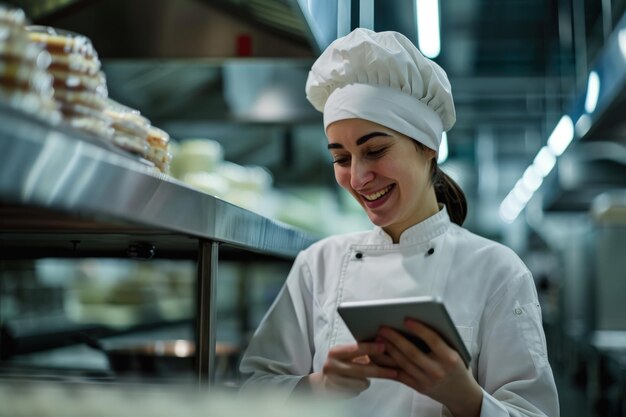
(377, 195)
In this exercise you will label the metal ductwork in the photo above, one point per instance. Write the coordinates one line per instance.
(583, 173)
(596, 161)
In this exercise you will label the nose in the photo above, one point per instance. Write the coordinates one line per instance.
(360, 175)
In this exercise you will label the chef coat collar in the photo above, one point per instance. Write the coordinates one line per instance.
(422, 232)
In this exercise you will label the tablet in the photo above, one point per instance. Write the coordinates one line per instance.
(364, 318)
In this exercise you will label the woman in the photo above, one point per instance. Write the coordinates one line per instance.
(385, 108)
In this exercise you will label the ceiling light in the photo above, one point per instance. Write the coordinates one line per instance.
(562, 135)
(544, 161)
(428, 38)
(521, 192)
(622, 42)
(593, 92)
(510, 209)
(443, 149)
(532, 178)
(521, 195)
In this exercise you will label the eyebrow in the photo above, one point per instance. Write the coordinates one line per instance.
(359, 141)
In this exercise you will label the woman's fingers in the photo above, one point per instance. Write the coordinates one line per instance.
(439, 349)
(357, 370)
(408, 371)
(383, 360)
(348, 368)
(430, 373)
(347, 360)
(437, 345)
(349, 352)
(363, 360)
(415, 383)
(410, 357)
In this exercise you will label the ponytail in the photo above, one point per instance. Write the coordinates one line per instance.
(449, 193)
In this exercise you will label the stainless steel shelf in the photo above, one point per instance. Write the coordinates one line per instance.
(58, 169)
(65, 194)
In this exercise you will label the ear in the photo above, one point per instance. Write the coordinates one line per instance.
(428, 153)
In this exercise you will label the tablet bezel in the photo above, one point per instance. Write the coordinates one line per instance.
(364, 319)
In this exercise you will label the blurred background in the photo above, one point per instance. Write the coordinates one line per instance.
(539, 148)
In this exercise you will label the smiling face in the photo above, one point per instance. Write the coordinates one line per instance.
(385, 172)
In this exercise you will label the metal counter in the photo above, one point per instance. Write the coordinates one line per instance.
(53, 168)
(51, 174)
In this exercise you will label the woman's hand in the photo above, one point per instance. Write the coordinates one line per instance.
(348, 368)
(439, 374)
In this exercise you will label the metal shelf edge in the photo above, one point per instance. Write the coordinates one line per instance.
(51, 167)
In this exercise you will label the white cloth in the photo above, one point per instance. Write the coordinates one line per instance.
(407, 92)
(487, 290)
(387, 107)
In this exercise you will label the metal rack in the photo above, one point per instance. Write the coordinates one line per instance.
(64, 194)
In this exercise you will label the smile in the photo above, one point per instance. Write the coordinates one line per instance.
(378, 194)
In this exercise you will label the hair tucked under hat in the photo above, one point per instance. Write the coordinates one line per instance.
(383, 78)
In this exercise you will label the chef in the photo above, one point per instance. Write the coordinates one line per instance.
(385, 108)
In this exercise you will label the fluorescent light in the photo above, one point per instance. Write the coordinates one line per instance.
(562, 135)
(443, 149)
(583, 124)
(428, 38)
(532, 178)
(510, 209)
(621, 38)
(519, 195)
(544, 161)
(593, 92)
(521, 192)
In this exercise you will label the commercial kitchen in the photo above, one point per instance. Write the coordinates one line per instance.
(161, 169)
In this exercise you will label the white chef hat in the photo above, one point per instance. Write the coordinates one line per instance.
(382, 77)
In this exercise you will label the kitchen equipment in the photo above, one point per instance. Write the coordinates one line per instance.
(161, 357)
(609, 278)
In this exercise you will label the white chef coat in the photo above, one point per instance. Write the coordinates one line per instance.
(488, 291)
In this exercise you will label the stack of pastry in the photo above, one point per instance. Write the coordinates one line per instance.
(79, 84)
(158, 149)
(24, 80)
(57, 75)
(130, 128)
(135, 134)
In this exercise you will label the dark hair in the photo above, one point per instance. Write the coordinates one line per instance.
(449, 193)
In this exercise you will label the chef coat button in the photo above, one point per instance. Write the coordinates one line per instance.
(358, 255)
(430, 251)
(518, 311)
